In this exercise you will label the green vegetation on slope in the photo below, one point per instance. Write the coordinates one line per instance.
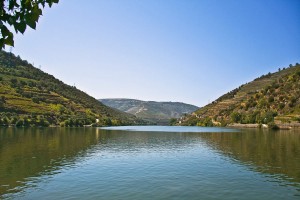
(29, 96)
(152, 111)
(270, 99)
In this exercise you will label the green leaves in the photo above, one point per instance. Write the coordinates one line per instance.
(21, 27)
(7, 37)
(35, 13)
(9, 40)
(30, 21)
(19, 14)
(50, 2)
(4, 31)
(33, 16)
(13, 4)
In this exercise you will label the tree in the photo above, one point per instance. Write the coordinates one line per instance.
(172, 121)
(19, 123)
(19, 14)
(2, 101)
(14, 81)
(268, 117)
(236, 117)
(5, 121)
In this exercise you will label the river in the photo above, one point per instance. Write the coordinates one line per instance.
(150, 162)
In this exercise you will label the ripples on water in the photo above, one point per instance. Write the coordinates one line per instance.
(145, 163)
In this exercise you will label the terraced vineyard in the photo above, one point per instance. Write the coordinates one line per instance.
(28, 96)
(269, 99)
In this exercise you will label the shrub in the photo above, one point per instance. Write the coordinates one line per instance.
(19, 123)
(35, 99)
(281, 98)
(235, 117)
(14, 81)
(271, 99)
(23, 83)
(172, 121)
(273, 126)
(281, 105)
(269, 116)
(293, 100)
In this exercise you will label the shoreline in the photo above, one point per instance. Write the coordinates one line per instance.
(282, 126)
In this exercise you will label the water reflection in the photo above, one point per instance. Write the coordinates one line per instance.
(273, 152)
(276, 153)
(29, 153)
(32, 152)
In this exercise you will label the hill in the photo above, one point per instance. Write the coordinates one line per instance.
(270, 99)
(29, 96)
(155, 112)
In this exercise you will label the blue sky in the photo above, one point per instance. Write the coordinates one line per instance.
(189, 51)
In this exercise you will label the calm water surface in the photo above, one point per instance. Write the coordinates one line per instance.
(149, 163)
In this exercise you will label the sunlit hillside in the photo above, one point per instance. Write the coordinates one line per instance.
(29, 96)
(271, 98)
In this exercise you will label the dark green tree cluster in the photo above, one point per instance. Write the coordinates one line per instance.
(256, 117)
(2, 102)
(173, 121)
(13, 119)
(206, 121)
(193, 120)
(76, 122)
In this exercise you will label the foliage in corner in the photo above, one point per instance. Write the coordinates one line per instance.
(19, 14)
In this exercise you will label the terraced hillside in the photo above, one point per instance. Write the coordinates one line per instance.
(269, 99)
(155, 112)
(28, 96)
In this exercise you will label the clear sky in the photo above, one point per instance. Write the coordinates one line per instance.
(189, 51)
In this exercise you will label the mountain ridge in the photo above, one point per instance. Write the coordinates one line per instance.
(160, 112)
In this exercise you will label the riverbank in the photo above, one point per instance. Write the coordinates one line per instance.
(283, 126)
